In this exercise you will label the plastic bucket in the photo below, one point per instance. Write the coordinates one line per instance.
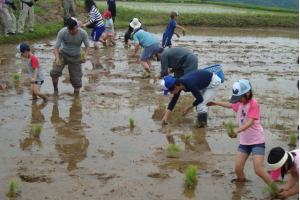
(217, 69)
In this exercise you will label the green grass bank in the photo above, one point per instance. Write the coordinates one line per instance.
(151, 18)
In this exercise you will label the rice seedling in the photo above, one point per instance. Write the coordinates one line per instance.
(271, 189)
(16, 77)
(293, 140)
(61, 61)
(37, 131)
(229, 128)
(131, 122)
(187, 137)
(82, 55)
(12, 186)
(145, 74)
(173, 150)
(190, 176)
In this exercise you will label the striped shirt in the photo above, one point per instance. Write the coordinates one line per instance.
(95, 16)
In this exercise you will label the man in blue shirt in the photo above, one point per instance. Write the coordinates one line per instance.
(147, 41)
(201, 83)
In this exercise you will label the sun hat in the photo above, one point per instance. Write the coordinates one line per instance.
(72, 23)
(239, 88)
(106, 14)
(158, 50)
(167, 83)
(21, 48)
(135, 23)
(174, 13)
(276, 159)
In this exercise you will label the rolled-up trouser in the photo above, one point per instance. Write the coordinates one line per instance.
(74, 66)
(10, 19)
(209, 93)
(69, 9)
(25, 11)
(190, 64)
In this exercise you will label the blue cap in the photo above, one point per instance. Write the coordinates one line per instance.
(239, 88)
(21, 48)
(167, 83)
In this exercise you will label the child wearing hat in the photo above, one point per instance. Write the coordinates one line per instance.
(280, 162)
(170, 30)
(252, 138)
(34, 69)
(109, 26)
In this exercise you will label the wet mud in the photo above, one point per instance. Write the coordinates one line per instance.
(87, 148)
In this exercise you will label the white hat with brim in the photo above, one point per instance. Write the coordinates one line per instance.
(135, 23)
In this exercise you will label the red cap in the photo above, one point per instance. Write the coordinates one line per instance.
(106, 14)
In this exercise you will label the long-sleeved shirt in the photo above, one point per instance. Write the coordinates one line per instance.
(193, 82)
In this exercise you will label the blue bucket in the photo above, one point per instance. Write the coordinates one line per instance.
(217, 69)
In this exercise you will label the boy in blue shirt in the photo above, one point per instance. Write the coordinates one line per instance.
(170, 30)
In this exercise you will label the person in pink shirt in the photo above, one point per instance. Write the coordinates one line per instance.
(280, 162)
(252, 138)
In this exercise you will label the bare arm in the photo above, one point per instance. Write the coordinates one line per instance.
(245, 126)
(166, 116)
(136, 47)
(35, 75)
(285, 192)
(56, 54)
(219, 103)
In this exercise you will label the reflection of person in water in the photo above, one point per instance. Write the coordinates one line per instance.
(37, 119)
(71, 143)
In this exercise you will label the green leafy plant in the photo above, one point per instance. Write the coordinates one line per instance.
(187, 137)
(37, 130)
(230, 127)
(131, 122)
(145, 74)
(293, 140)
(16, 77)
(61, 61)
(173, 150)
(272, 189)
(191, 176)
(82, 55)
(12, 186)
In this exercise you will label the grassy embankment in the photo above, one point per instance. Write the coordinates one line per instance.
(285, 18)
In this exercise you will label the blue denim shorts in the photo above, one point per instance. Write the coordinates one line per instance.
(256, 149)
(38, 82)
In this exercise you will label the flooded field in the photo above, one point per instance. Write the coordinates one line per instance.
(87, 149)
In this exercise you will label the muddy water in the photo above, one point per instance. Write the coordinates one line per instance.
(87, 149)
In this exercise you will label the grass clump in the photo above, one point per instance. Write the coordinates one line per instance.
(145, 74)
(131, 122)
(187, 137)
(173, 150)
(190, 176)
(271, 189)
(293, 140)
(229, 128)
(12, 187)
(37, 131)
(16, 77)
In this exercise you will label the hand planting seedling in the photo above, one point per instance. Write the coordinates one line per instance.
(173, 150)
(16, 77)
(37, 131)
(12, 186)
(131, 122)
(272, 190)
(187, 137)
(293, 140)
(61, 61)
(82, 56)
(145, 74)
(183, 32)
(190, 176)
(230, 132)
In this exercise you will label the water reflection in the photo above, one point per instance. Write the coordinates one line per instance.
(71, 144)
(37, 120)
